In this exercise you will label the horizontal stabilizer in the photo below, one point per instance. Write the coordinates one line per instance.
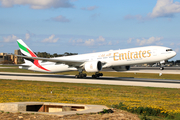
(24, 65)
(63, 61)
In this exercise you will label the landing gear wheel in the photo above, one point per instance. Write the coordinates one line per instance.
(101, 74)
(76, 76)
(96, 75)
(81, 75)
(93, 76)
(161, 68)
(85, 75)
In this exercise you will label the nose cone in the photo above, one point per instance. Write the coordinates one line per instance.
(174, 53)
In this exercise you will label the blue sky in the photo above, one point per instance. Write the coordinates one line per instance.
(84, 26)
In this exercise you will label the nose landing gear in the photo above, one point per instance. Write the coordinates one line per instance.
(162, 65)
(161, 68)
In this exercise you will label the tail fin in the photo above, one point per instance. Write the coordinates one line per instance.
(25, 50)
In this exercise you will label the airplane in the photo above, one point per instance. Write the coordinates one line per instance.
(118, 60)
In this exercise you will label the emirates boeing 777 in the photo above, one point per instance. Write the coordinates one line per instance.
(119, 60)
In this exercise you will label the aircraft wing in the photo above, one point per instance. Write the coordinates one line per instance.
(75, 63)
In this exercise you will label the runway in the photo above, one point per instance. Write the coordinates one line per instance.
(167, 70)
(103, 80)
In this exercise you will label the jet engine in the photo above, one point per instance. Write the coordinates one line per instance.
(93, 66)
(121, 68)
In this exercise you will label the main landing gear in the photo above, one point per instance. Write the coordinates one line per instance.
(81, 75)
(96, 75)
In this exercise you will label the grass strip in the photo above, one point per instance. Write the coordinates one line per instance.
(148, 111)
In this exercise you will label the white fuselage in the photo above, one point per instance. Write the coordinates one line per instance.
(140, 55)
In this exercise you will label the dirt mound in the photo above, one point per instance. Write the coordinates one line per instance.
(116, 115)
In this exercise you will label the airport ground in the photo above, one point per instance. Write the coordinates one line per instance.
(128, 81)
(17, 90)
(96, 94)
(117, 115)
(167, 70)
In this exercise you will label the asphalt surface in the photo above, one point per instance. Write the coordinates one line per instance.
(154, 68)
(102, 80)
(146, 68)
(167, 70)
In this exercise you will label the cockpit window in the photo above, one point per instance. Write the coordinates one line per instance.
(169, 50)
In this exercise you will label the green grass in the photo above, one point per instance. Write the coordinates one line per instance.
(8, 66)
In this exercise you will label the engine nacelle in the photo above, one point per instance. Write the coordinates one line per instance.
(93, 66)
(121, 68)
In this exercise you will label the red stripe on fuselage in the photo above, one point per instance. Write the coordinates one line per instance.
(39, 66)
(36, 62)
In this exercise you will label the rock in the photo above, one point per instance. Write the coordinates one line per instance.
(20, 117)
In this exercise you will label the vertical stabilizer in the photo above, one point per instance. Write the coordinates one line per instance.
(26, 51)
